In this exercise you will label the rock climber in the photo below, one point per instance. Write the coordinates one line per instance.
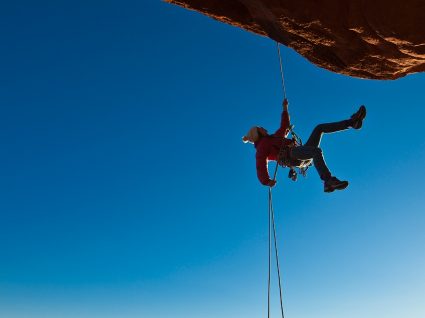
(277, 147)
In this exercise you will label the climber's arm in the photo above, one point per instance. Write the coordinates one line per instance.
(263, 171)
(284, 121)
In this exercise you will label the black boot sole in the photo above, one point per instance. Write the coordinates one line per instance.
(340, 186)
(358, 117)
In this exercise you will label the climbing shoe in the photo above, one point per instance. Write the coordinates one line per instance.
(333, 184)
(357, 118)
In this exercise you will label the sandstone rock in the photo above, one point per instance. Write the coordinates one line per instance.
(376, 39)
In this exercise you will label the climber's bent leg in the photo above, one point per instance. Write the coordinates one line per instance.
(316, 135)
(309, 152)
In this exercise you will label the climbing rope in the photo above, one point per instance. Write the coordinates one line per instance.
(272, 223)
(281, 70)
(297, 140)
(272, 226)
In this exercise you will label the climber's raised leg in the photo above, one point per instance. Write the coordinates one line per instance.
(311, 149)
(355, 122)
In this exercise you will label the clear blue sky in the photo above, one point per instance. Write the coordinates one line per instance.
(125, 190)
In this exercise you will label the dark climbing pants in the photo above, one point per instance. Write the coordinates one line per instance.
(311, 149)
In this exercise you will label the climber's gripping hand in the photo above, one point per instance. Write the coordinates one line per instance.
(285, 104)
(271, 183)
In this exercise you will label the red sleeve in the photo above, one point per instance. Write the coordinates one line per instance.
(284, 125)
(262, 168)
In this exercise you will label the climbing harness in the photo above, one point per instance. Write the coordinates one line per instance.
(285, 158)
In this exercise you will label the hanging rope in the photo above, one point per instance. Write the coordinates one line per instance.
(272, 226)
(281, 70)
(298, 141)
(272, 223)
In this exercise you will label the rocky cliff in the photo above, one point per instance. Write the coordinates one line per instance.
(376, 39)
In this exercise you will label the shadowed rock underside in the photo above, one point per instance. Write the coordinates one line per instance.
(377, 39)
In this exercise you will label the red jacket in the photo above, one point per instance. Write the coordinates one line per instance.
(268, 148)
